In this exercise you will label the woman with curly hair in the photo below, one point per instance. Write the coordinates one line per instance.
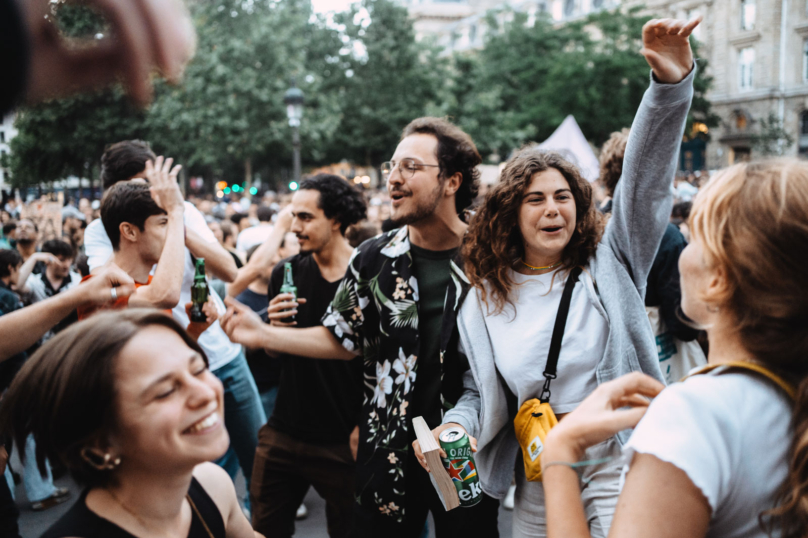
(538, 231)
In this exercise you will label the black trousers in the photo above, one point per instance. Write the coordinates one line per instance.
(420, 499)
(283, 471)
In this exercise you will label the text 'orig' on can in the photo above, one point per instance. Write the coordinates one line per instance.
(460, 465)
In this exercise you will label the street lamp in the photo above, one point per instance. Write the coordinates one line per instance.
(294, 111)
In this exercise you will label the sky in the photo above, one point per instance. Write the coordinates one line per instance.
(322, 6)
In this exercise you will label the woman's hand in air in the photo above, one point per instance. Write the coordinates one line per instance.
(600, 416)
(666, 47)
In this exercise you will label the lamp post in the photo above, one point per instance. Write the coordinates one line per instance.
(294, 111)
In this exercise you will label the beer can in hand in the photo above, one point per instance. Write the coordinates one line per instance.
(460, 465)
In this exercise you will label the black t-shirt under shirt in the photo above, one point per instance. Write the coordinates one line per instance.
(433, 271)
(319, 400)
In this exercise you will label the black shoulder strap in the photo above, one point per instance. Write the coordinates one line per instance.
(558, 333)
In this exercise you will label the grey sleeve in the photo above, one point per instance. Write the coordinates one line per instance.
(467, 410)
(644, 197)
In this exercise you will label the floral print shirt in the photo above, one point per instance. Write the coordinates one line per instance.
(375, 314)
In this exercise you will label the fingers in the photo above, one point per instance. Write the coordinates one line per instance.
(133, 35)
(624, 419)
(235, 305)
(636, 383)
(690, 26)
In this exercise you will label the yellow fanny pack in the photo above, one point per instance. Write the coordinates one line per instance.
(535, 417)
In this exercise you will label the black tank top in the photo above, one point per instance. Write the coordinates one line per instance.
(81, 522)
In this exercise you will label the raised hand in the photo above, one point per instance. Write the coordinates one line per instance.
(163, 181)
(666, 47)
(145, 35)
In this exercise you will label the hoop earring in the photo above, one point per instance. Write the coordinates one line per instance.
(107, 463)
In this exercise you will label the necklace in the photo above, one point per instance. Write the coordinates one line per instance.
(143, 523)
(533, 268)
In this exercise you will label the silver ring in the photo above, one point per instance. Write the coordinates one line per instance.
(114, 292)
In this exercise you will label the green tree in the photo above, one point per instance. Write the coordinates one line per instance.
(530, 77)
(390, 79)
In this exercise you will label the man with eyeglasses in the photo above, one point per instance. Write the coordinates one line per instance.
(396, 307)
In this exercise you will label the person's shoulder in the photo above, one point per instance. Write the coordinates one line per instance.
(218, 485)
(371, 249)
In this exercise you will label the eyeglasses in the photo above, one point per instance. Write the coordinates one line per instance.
(407, 168)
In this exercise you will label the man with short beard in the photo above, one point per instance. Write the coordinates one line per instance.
(27, 237)
(396, 307)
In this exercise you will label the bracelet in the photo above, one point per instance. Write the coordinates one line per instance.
(576, 465)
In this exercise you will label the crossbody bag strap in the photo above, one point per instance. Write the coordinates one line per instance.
(558, 333)
(787, 387)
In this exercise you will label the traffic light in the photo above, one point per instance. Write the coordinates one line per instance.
(226, 190)
(253, 191)
(293, 185)
(222, 185)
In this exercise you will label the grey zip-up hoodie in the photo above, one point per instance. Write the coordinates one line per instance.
(641, 210)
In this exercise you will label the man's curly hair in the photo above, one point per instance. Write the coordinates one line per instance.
(339, 200)
(456, 153)
(494, 241)
(611, 160)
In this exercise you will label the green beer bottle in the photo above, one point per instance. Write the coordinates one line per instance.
(288, 287)
(199, 292)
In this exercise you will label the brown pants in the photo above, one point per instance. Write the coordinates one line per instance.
(284, 469)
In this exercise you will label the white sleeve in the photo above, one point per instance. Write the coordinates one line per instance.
(37, 287)
(194, 220)
(97, 245)
(690, 426)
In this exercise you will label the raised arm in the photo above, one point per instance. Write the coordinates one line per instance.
(202, 244)
(19, 330)
(243, 326)
(28, 267)
(643, 199)
(164, 289)
(263, 255)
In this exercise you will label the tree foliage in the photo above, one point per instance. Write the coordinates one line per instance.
(529, 77)
(364, 76)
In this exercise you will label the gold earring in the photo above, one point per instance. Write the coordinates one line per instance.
(107, 463)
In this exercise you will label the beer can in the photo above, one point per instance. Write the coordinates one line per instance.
(460, 465)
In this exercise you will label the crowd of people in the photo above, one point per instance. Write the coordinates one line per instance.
(335, 317)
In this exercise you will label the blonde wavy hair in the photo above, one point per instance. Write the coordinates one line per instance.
(752, 221)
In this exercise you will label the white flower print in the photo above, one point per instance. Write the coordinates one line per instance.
(384, 384)
(404, 366)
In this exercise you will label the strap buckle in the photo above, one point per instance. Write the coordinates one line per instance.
(545, 391)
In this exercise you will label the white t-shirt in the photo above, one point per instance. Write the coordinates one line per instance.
(521, 343)
(730, 433)
(252, 236)
(218, 347)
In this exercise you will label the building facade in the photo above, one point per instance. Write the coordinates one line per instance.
(7, 132)
(757, 52)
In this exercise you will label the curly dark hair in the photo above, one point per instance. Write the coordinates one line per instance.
(494, 241)
(339, 200)
(456, 153)
(611, 160)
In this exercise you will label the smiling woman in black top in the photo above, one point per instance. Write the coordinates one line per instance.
(126, 402)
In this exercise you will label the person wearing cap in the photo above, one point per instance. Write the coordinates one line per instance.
(73, 224)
